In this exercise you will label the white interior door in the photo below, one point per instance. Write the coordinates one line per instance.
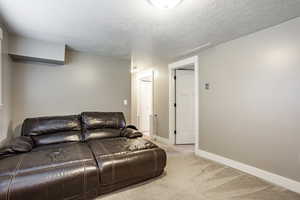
(145, 104)
(185, 107)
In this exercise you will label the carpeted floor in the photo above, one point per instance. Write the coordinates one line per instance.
(188, 177)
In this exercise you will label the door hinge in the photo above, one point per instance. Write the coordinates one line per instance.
(174, 77)
(175, 132)
(175, 104)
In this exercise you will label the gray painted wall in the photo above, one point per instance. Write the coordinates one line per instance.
(251, 114)
(86, 83)
(5, 110)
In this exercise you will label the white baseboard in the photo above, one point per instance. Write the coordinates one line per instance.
(268, 176)
(161, 139)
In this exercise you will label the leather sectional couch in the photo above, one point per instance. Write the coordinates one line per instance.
(76, 157)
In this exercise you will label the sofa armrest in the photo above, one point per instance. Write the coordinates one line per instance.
(20, 144)
(5, 152)
(131, 131)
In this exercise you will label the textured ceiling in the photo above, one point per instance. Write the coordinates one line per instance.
(119, 27)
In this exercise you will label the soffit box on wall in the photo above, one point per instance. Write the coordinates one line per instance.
(23, 49)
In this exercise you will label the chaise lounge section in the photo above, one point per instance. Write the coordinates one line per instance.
(76, 157)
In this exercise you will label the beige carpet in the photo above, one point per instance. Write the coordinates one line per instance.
(189, 177)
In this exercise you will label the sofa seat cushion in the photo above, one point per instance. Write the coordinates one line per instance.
(102, 133)
(124, 161)
(60, 171)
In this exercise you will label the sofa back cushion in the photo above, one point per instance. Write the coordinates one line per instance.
(98, 125)
(101, 133)
(99, 120)
(50, 130)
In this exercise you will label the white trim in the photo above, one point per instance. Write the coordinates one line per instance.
(268, 176)
(188, 61)
(161, 139)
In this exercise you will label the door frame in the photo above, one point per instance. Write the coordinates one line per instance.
(139, 76)
(172, 113)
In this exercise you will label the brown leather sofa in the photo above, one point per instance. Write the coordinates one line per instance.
(76, 157)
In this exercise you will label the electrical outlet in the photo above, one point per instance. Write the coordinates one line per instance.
(207, 86)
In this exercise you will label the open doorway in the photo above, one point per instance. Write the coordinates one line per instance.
(145, 102)
(184, 103)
